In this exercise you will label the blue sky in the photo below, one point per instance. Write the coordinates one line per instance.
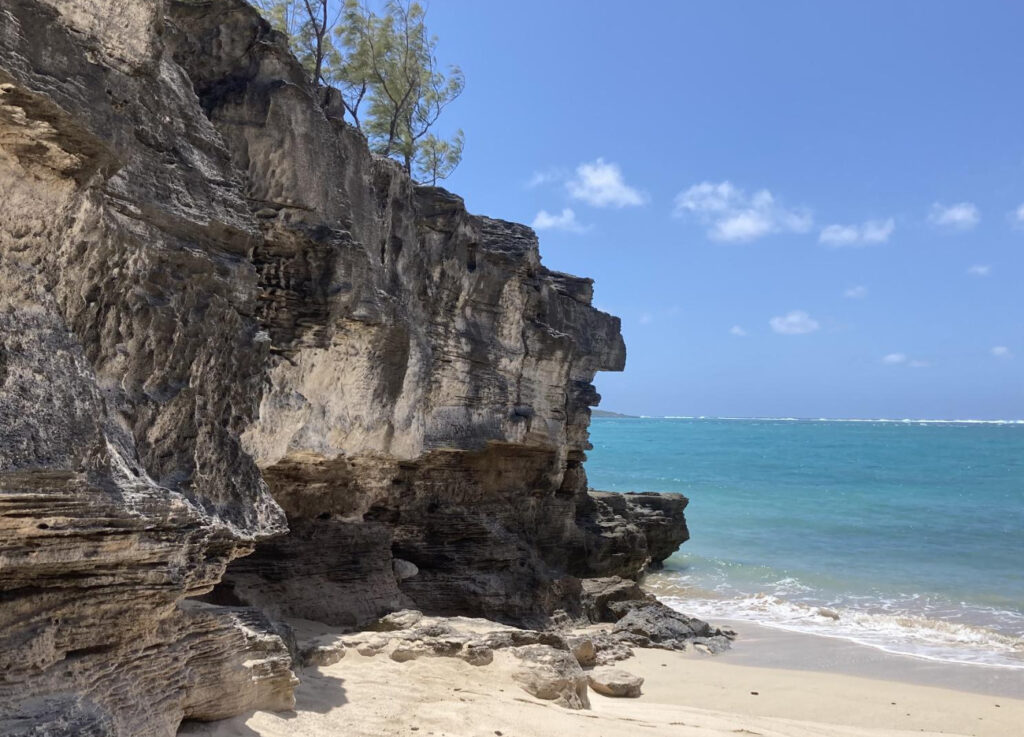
(797, 208)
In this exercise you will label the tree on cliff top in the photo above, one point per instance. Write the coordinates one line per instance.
(386, 60)
(308, 25)
(438, 157)
(408, 91)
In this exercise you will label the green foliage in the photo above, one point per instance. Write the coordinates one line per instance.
(308, 25)
(386, 61)
(438, 157)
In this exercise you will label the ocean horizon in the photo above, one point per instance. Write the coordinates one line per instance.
(905, 535)
(938, 421)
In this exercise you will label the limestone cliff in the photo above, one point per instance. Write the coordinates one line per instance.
(226, 330)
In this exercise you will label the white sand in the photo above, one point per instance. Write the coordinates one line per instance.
(685, 695)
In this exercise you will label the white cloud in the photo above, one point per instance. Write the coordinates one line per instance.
(564, 221)
(1018, 216)
(744, 226)
(840, 235)
(709, 198)
(737, 331)
(646, 318)
(796, 322)
(877, 231)
(601, 184)
(961, 216)
(730, 214)
(979, 270)
(538, 178)
(1001, 351)
(857, 292)
(554, 174)
(868, 233)
(901, 359)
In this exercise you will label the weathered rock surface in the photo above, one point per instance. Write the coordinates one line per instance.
(429, 382)
(400, 620)
(321, 651)
(635, 531)
(600, 595)
(652, 624)
(129, 368)
(598, 648)
(409, 635)
(615, 682)
(583, 649)
(552, 675)
(226, 328)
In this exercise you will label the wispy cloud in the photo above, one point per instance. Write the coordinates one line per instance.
(857, 292)
(737, 331)
(979, 270)
(902, 359)
(796, 322)
(961, 216)
(1001, 351)
(730, 214)
(1017, 216)
(646, 319)
(546, 176)
(600, 184)
(566, 221)
(869, 233)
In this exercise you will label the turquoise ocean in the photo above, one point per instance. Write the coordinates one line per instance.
(903, 535)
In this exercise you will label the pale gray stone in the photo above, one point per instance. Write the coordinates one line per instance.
(615, 682)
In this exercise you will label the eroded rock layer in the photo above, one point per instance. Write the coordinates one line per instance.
(431, 396)
(128, 371)
(227, 328)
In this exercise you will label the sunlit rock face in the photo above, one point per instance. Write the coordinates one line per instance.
(227, 328)
(129, 369)
(429, 381)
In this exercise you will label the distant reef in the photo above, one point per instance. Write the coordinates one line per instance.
(606, 413)
(250, 371)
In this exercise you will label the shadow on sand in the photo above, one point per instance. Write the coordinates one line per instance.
(318, 693)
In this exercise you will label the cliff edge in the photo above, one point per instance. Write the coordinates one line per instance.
(250, 371)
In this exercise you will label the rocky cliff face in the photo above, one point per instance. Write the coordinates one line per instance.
(226, 330)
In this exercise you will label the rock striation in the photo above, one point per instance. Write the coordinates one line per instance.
(129, 368)
(243, 360)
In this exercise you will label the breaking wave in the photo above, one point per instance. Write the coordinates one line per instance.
(907, 625)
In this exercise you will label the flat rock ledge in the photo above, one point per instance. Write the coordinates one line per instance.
(557, 665)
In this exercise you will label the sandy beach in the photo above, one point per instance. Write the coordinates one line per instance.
(868, 694)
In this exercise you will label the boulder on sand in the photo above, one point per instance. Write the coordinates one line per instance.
(615, 682)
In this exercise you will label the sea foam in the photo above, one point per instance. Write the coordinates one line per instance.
(906, 536)
(897, 630)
